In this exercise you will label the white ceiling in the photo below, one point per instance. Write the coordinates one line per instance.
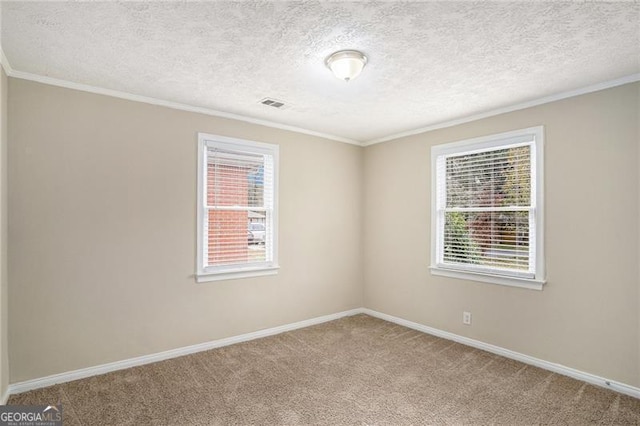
(429, 62)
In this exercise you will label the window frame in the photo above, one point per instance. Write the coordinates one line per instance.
(233, 271)
(535, 135)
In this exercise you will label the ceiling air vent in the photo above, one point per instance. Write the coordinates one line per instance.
(272, 103)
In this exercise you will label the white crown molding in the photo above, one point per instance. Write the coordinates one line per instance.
(5, 63)
(190, 108)
(169, 104)
(545, 100)
(546, 365)
(28, 385)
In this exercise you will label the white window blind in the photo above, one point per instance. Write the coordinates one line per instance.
(486, 212)
(237, 205)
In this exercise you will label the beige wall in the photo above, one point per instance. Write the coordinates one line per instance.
(4, 332)
(102, 205)
(587, 315)
(638, 144)
(102, 237)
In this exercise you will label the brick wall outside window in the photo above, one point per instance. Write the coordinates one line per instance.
(228, 241)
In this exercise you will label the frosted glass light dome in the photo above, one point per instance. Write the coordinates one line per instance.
(346, 64)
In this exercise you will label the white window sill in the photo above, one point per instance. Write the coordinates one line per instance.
(233, 274)
(531, 284)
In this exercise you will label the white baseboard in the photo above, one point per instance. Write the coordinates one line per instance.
(28, 385)
(556, 368)
(43, 382)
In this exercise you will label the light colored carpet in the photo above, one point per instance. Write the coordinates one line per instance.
(353, 371)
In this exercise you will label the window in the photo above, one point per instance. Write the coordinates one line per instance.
(487, 209)
(237, 202)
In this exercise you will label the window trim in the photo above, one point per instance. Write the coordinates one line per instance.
(483, 143)
(206, 274)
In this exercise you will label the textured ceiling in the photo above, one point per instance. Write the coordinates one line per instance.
(429, 62)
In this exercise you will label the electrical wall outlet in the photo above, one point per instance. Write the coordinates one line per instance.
(466, 318)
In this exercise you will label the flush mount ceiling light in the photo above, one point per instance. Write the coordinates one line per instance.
(346, 64)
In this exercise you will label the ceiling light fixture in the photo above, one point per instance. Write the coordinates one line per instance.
(346, 64)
